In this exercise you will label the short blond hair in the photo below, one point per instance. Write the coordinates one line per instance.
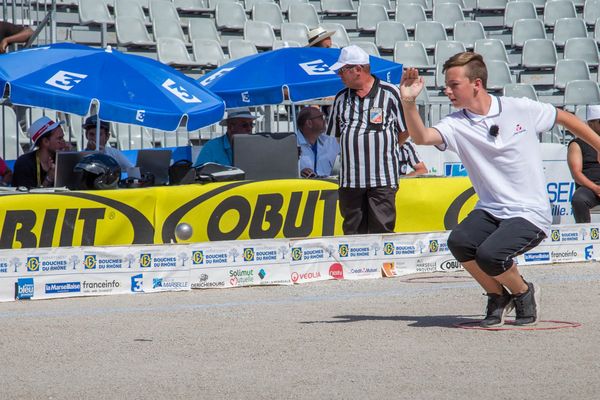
(475, 66)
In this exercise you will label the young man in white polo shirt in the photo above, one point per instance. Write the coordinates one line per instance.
(496, 139)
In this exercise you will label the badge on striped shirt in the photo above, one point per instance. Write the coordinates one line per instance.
(376, 115)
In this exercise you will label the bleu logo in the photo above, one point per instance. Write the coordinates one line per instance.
(555, 235)
(388, 248)
(33, 264)
(296, 253)
(589, 252)
(24, 288)
(145, 260)
(157, 283)
(89, 261)
(197, 257)
(455, 169)
(248, 254)
(594, 234)
(343, 250)
(137, 283)
(434, 246)
(262, 273)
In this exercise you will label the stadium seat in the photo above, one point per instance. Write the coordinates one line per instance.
(444, 49)
(591, 11)
(491, 5)
(597, 31)
(368, 47)
(230, 16)
(584, 49)
(556, 9)
(567, 28)
(412, 53)
(524, 29)
(569, 70)
(448, 14)
(520, 90)
(369, 15)
(132, 31)
(468, 32)
(203, 28)
(249, 4)
(285, 4)
(167, 28)
(429, 33)
(268, 12)
(409, 14)
(129, 8)
(423, 3)
(539, 54)
(518, 10)
(294, 32)
(278, 44)
(191, 6)
(491, 49)
(305, 14)
(337, 7)
(385, 3)
(581, 92)
(388, 33)
(259, 33)
(239, 48)
(208, 53)
(164, 10)
(212, 4)
(340, 38)
(498, 74)
(172, 51)
(94, 12)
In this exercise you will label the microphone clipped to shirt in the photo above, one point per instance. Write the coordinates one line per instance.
(494, 130)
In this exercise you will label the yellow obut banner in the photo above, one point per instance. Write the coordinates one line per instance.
(77, 218)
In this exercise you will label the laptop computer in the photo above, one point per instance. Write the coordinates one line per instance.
(266, 155)
(64, 176)
(155, 162)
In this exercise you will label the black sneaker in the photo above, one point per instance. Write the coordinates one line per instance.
(527, 306)
(497, 307)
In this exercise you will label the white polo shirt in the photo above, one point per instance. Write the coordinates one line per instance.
(506, 171)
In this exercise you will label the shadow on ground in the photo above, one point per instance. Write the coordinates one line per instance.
(418, 321)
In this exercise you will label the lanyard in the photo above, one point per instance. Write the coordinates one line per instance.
(38, 168)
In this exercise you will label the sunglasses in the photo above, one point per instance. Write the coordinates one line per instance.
(345, 68)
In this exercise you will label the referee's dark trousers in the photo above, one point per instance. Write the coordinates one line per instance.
(369, 210)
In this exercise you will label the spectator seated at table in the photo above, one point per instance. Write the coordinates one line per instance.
(317, 150)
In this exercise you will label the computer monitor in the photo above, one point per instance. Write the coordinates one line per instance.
(64, 176)
(155, 162)
(266, 155)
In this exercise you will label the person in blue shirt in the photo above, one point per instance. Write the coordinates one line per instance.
(317, 151)
(219, 150)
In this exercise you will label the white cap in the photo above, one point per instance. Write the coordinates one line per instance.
(41, 127)
(351, 55)
(592, 113)
(242, 112)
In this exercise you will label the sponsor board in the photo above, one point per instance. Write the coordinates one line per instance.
(24, 288)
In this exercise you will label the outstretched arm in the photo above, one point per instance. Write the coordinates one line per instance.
(20, 37)
(410, 87)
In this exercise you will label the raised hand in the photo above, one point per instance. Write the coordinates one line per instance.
(411, 84)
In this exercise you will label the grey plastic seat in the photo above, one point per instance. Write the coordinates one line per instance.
(338, 7)
(597, 31)
(259, 33)
(305, 14)
(516, 10)
(556, 9)
(569, 70)
(388, 33)
(582, 92)
(295, 32)
(369, 47)
(491, 49)
(239, 48)
(172, 51)
(498, 74)
(249, 4)
(444, 49)
(163, 9)
(385, 3)
(279, 44)
(340, 38)
(409, 14)
(129, 8)
(426, 4)
(285, 4)
(191, 6)
(369, 15)
(208, 53)
(567, 28)
(412, 53)
(212, 4)
(491, 5)
(268, 12)
(582, 48)
(520, 90)
(539, 54)
(167, 28)
(461, 3)
(94, 12)
(230, 16)
(132, 31)
(525, 29)
(448, 14)
(468, 32)
(429, 33)
(591, 11)
(203, 28)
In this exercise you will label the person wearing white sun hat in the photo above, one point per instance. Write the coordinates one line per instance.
(320, 37)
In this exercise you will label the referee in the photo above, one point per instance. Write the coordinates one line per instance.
(367, 118)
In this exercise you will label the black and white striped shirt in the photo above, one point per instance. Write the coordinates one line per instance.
(408, 157)
(369, 129)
